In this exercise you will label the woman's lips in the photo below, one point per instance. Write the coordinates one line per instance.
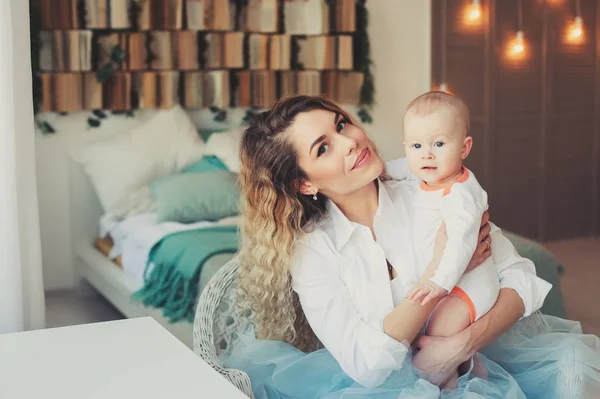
(362, 159)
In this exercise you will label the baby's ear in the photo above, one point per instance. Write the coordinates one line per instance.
(466, 149)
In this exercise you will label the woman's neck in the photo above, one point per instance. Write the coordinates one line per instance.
(361, 205)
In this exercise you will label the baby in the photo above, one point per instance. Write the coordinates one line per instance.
(437, 141)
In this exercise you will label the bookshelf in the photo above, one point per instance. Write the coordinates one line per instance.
(133, 54)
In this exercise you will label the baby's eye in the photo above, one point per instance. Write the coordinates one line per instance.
(322, 149)
(439, 144)
(341, 125)
(417, 146)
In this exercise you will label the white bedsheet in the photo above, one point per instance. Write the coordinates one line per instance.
(134, 237)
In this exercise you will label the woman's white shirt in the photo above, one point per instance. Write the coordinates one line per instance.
(340, 275)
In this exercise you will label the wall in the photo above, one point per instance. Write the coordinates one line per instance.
(400, 47)
(535, 118)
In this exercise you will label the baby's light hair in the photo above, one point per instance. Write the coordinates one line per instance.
(434, 100)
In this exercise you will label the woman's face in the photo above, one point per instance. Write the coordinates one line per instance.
(337, 157)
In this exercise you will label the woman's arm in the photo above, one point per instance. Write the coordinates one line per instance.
(438, 357)
(407, 319)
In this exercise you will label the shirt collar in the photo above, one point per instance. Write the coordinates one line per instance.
(340, 228)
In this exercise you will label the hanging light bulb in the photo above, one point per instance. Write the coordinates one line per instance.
(473, 13)
(518, 44)
(516, 47)
(444, 87)
(575, 30)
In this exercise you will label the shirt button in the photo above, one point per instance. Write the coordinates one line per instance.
(412, 282)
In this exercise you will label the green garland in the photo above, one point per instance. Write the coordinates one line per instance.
(363, 62)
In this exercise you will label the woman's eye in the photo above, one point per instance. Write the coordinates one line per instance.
(341, 125)
(439, 144)
(322, 149)
(417, 146)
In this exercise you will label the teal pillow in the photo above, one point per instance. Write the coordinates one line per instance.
(206, 133)
(208, 163)
(193, 197)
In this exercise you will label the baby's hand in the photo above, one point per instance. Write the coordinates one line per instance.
(427, 291)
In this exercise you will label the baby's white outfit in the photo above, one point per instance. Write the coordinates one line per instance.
(460, 204)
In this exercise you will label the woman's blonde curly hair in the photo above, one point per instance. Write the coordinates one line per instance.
(275, 214)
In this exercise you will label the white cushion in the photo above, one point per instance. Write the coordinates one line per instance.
(163, 144)
(226, 147)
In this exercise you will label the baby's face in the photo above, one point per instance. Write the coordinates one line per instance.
(435, 145)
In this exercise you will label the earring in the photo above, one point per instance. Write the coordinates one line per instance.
(315, 196)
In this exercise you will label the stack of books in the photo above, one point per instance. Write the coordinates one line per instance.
(106, 14)
(206, 89)
(157, 89)
(306, 17)
(262, 16)
(66, 50)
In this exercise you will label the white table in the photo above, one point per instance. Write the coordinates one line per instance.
(130, 359)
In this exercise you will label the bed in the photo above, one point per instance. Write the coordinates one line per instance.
(95, 270)
(106, 276)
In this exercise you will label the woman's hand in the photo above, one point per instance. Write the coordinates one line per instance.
(439, 357)
(484, 247)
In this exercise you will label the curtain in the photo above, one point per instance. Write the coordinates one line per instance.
(21, 284)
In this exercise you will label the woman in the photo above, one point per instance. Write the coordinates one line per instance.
(323, 239)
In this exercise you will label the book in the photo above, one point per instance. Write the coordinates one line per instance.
(161, 49)
(344, 87)
(65, 51)
(47, 86)
(92, 91)
(59, 14)
(300, 82)
(213, 54)
(136, 50)
(160, 15)
(317, 52)
(195, 14)
(217, 15)
(344, 52)
(344, 16)
(203, 89)
(104, 14)
(306, 17)
(187, 50)
(116, 92)
(279, 52)
(262, 16)
(242, 96)
(258, 45)
(263, 88)
(67, 90)
(233, 54)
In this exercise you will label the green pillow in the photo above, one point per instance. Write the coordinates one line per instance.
(208, 163)
(193, 197)
(206, 133)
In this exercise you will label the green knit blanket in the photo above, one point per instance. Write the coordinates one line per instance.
(172, 274)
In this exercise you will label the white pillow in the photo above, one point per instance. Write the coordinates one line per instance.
(226, 147)
(165, 143)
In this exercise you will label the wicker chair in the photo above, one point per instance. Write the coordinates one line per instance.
(218, 322)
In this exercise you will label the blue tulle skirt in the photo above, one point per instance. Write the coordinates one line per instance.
(540, 357)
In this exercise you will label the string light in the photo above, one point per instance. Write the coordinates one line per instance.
(517, 46)
(443, 33)
(575, 30)
(473, 13)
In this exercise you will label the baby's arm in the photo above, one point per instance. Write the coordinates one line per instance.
(462, 210)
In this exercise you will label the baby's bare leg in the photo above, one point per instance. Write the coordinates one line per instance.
(449, 317)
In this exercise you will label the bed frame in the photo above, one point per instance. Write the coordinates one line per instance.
(93, 269)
